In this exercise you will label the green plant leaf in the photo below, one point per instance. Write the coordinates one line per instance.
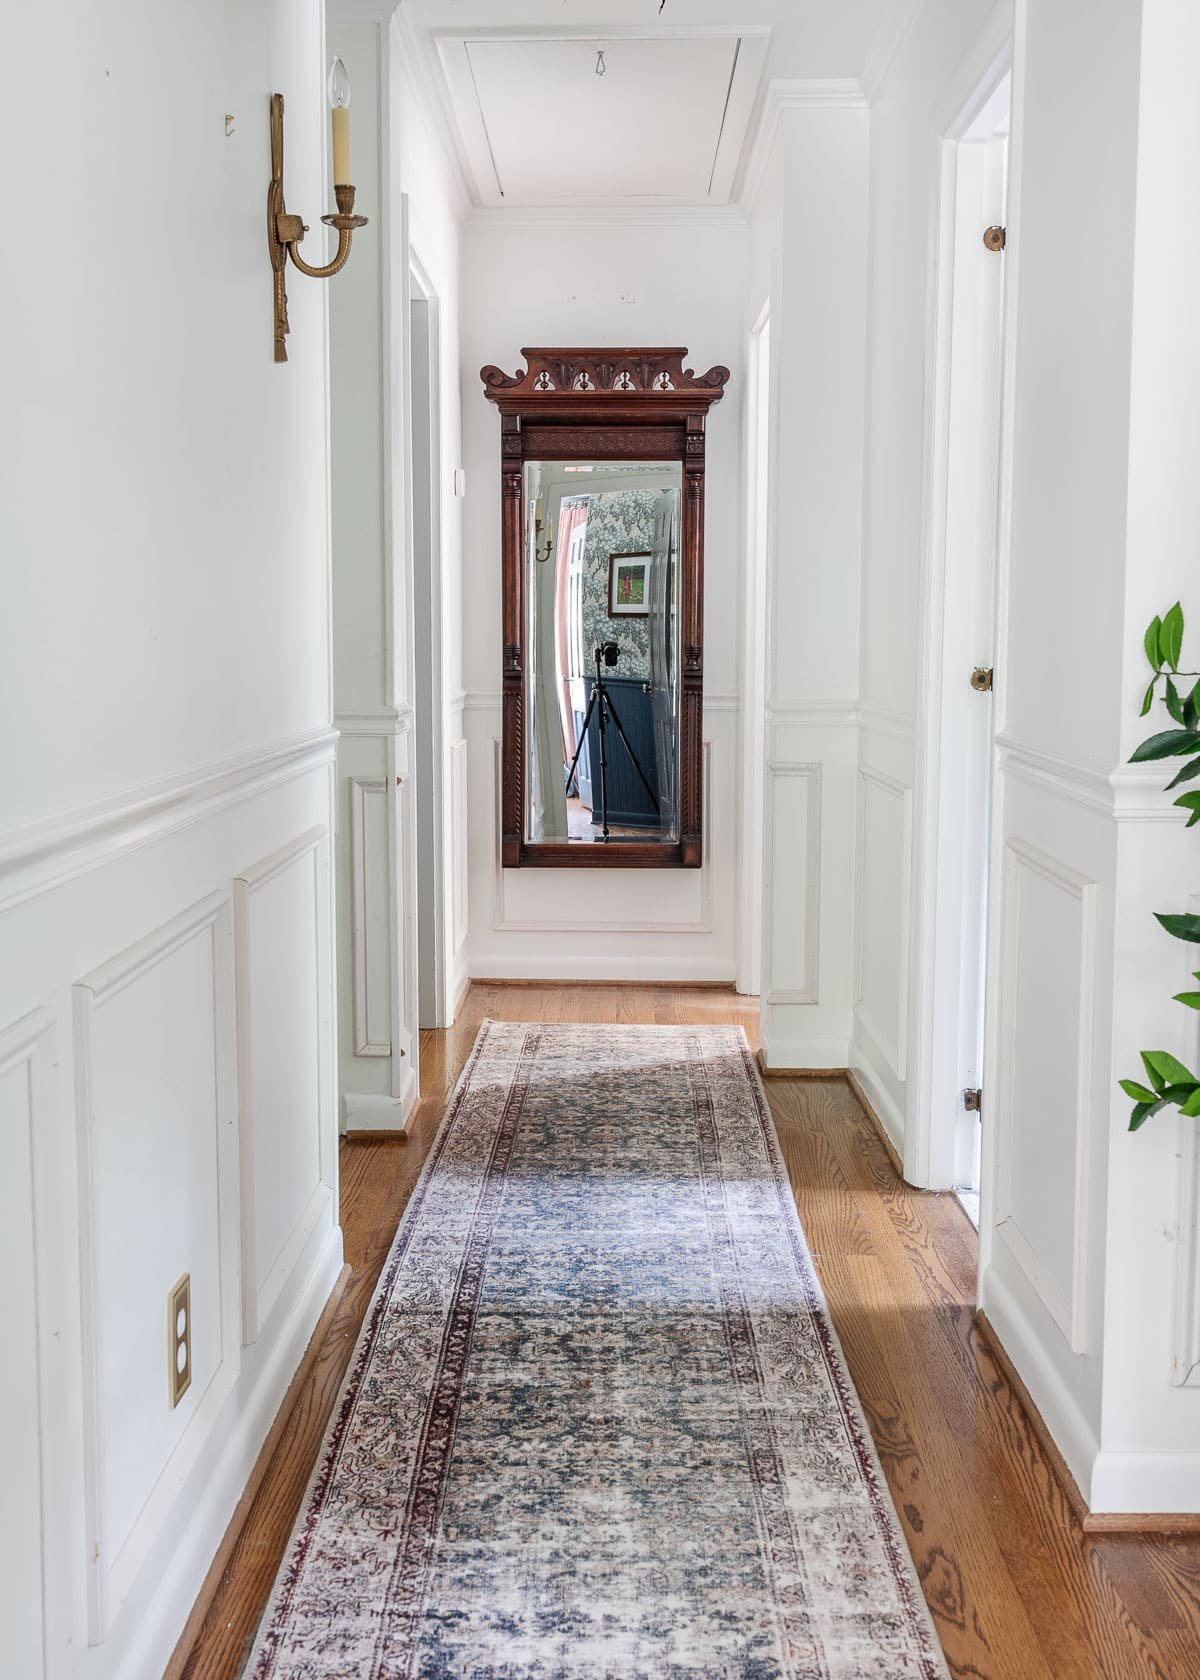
(1192, 999)
(1192, 1106)
(1169, 1070)
(1156, 1078)
(1151, 643)
(1174, 704)
(1190, 802)
(1191, 715)
(1187, 774)
(1171, 743)
(1180, 927)
(1170, 637)
(1137, 1092)
(1142, 1113)
(1149, 700)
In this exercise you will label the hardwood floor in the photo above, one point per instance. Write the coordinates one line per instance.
(1018, 1591)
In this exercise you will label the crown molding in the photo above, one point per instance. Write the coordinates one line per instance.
(814, 93)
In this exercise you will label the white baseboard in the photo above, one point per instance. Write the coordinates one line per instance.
(1146, 1482)
(366, 1113)
(880, 1099)
(805, 1052)
(217, 1483)
(1069, 1428)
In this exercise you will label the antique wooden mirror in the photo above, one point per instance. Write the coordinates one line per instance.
(602, 477)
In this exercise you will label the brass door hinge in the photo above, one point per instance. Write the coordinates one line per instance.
(995, 238)
(973, 1101)
(981, 679)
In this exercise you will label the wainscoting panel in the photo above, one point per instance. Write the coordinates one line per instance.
(370, 874)
(792, 936)
(283, 976)
(1185, 1341)
(1047, 980)
(157, 1147)
(458, 838)
(882, 894)
(26, 1055)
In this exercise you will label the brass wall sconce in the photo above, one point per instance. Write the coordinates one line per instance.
(284, 231)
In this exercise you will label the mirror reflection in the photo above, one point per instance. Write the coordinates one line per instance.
(602, 641)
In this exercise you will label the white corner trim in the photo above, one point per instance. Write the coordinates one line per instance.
(807, 93)
(808, 992)
(44, 855)
(1070, 781)
(889, 37)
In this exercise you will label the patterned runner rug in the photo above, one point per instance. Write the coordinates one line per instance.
(598, 1425)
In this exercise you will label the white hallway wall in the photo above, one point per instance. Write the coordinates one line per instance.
(808, 255)
(408, 185)
(166, 986)
(601, 279)
(1090, 1254)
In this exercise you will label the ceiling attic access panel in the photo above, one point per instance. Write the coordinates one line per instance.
(602, 638)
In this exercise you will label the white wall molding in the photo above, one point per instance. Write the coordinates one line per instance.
(374, 721)
(891, 1038)
(37, 1494)
(884, 720)
(36, 859)
(811, 714)
(112, 1559)
(372, 1014)
(1185, 1307)
(1185, 1316)
(633, 966)
(261, 1292)
(460, 897)
(1067, 1302)
(791, 953)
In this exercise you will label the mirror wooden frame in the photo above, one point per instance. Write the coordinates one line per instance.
(607, 405)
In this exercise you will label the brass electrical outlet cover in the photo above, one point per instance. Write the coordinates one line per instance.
(179, 1336)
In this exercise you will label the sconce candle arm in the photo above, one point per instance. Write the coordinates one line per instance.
(284, 231)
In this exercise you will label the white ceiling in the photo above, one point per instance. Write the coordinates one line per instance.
(670, 121)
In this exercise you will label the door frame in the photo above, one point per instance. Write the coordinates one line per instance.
(938, 1025)
(423, 552)
(761, 433)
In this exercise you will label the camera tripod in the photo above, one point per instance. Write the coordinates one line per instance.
(609, 652)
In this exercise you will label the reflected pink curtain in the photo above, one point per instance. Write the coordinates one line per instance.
(571, 516)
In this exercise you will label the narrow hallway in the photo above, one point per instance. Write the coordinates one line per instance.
(1015, 1587)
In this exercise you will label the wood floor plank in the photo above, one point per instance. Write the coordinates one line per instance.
(1017, 1590)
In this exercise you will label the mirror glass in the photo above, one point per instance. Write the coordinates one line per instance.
(602, 651)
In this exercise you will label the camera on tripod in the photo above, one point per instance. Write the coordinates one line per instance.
(601, 702)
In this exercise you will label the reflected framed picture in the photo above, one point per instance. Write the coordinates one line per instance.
(627, 576)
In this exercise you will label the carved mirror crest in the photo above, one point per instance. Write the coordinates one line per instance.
(602, 475)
